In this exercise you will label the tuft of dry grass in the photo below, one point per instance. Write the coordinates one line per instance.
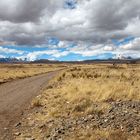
(37, 103)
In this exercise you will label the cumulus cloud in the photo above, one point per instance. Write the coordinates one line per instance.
(34, 55)
(87, 50)
(31, 56)
(32, 22)
(20, 11)
(109, 48)
(10, 51)
(91, 20)
(132, 45)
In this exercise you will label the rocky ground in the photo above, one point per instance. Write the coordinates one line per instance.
(122, 118)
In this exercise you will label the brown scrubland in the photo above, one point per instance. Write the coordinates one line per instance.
(10, 72)
(87, 102)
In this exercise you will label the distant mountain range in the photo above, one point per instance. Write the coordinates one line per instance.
(46, 61)
(110, 60)
(10, 60)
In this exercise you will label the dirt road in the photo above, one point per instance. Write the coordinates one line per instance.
(15, 97)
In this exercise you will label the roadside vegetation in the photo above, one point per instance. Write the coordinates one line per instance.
(87, 102)
(9, 72)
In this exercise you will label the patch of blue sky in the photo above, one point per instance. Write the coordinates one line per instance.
(62, 49)
(53, 41)
(72, 44)
(5, 55)
(124, 41)
(27, 48)
(78, 57)
(70, 57)
(70, 4)
(19, 48)
(104, 56)
(10, 55)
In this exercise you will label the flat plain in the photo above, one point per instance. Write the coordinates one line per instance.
(86, 102)
(10, 72)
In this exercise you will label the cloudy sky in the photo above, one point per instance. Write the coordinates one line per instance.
(69, 29)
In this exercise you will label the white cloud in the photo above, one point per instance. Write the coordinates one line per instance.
(29, 22)
(60, 54)
(109, 48)
(132, 45)
(90, 49)
(36, 54)
(2, 56)
(8, 51)
(60, 45)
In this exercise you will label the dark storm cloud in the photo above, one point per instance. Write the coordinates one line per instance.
(21, 10)
(32, 21)
(114, 15)
(25, 10)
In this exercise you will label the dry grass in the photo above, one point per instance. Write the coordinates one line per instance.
(101, 83)
(13, 71)
(74, 93)
(82, 86)
(37, 102)
(101, 134)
